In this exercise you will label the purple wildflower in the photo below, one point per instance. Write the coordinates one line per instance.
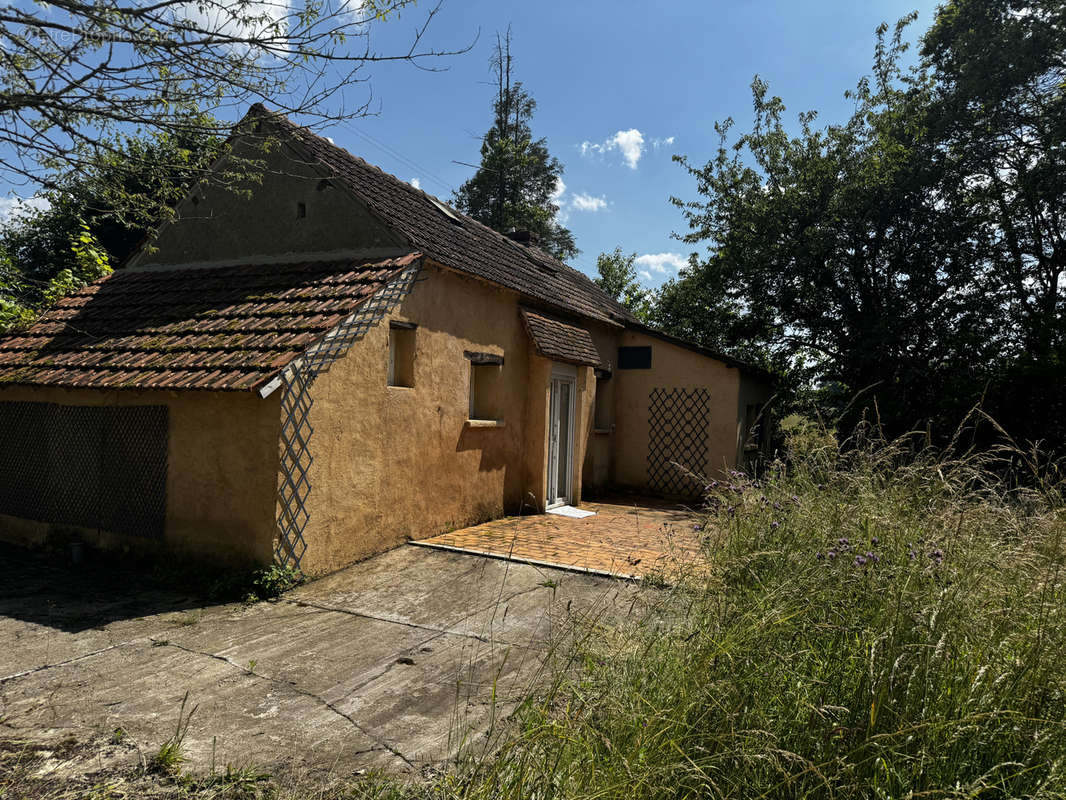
(819, 555)
(875, 541)
(859, 561)
(697, 527)
(774, 524)
(832, 554)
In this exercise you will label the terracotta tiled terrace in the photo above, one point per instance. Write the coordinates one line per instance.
(627, 537)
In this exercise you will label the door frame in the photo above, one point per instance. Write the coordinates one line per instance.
(561, 373)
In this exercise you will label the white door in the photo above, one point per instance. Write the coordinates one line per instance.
(560, 441)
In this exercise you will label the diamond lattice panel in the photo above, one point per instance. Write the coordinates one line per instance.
(677, 440)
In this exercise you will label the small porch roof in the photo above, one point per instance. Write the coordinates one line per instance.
(560, 341)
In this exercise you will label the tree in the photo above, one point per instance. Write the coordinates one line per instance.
(1000, 111)
(618, 278)
(111, 198)
(514, 186)
(22, 297)
(833, 248)
(94, 219)
(80, 72)
(915, 252)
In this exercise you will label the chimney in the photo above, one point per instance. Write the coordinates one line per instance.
(523, 237)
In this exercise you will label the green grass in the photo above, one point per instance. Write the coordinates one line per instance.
(886, 623)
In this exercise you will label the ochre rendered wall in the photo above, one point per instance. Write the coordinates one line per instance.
(221, 474)
(392, 463)
(672, 367)
(599, 453)
(223, 226)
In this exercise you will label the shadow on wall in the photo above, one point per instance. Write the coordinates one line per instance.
(45, 588)
(498, 452)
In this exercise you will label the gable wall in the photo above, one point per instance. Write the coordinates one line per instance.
(226, 226)
(672, 367)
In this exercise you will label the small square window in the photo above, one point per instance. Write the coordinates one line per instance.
(485, 390)
(634, 357)
(401, 355)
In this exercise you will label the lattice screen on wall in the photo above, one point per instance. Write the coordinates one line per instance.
(294, 481)
(677, 440)
(97, 467)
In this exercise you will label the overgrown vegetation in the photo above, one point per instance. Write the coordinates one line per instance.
(882, 620)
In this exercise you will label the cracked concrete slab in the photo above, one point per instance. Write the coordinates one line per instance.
(389, 664)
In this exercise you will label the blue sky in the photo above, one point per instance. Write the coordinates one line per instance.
(620, 88)
(598, 68)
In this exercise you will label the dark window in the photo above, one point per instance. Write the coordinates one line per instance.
(634, 358)
(99, 467)
(401, 355)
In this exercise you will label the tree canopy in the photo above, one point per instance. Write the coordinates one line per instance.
(94, 218)
(914, 251)
(617, 276)
(79, 74)
(515, 184)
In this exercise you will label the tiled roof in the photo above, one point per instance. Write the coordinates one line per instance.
(561, 341)
(215, 328)
(458, 241)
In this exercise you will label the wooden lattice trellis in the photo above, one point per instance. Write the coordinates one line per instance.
(294, 482)
(677, 440)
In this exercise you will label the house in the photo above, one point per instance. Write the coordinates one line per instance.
(328, 365)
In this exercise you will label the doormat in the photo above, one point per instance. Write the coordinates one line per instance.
(570, 511)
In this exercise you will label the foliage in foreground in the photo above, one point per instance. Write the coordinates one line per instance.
(875, 624)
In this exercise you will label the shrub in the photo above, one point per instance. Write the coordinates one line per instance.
(273, 581)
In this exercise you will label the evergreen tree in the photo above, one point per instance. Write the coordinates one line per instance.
(515, 185)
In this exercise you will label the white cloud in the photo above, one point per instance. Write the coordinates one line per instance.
(579, 201)
(587, 202)
(416, 183)
(13, 206)
(661, 263)
(666, 141)
(629, 143)
(646, 275)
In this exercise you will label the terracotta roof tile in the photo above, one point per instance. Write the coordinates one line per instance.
(217, 328)
(560, 341)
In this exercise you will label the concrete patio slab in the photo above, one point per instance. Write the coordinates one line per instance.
(627, 538)
(388, 664)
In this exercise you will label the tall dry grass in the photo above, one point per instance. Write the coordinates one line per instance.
(877, 619)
